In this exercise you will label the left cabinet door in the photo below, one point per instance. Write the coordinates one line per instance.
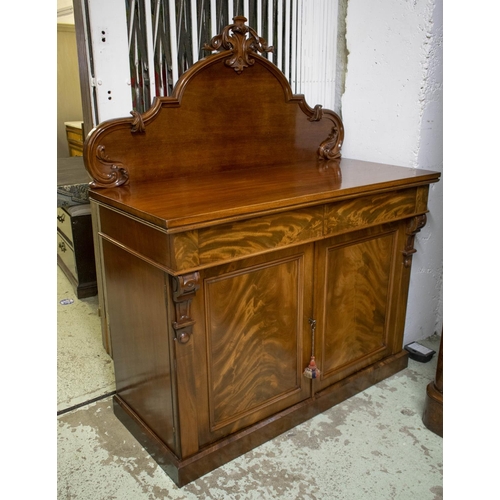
(252, 339)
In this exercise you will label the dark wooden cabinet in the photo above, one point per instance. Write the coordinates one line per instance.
(75, 247)
(233, 247)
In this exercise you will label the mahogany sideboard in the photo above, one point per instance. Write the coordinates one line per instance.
(251, 278)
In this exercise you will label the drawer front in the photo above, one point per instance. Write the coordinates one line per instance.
(358, 213)
(75, 150)
(66, 253)
(236, 240)
(75, 135)
(141, 239)
(64, 224)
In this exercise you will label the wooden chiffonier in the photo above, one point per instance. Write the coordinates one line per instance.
(251, 277)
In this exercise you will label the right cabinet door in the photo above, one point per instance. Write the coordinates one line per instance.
(355, 301)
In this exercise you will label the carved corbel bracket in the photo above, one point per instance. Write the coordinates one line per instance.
(113, 174)
(184, 290)
(242, 40)
(413, 227)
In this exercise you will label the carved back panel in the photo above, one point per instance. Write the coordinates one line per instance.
(232, 110)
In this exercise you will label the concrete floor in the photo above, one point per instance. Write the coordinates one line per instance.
(373, 446)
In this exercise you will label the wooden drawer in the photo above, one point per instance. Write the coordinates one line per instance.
(66, 253)
(64, 224)
(75, 149)
(75, 248)
(74, 135)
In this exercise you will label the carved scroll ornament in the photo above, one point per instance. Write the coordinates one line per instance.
(113, 174)
(244, 41)
(330, 148)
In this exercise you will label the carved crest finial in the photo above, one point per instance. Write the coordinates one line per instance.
(242, 40)
(137, 123)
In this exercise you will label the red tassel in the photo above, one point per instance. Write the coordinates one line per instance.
(312, 370)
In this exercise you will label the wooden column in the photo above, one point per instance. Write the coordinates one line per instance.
(433, 412)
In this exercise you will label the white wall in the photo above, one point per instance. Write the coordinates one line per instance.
(392, 113)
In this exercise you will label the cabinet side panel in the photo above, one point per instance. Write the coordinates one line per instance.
(139, 334)
(101, 283)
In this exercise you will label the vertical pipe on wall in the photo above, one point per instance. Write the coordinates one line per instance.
(194, 32)
(270, 34)
(213, 18)
(287, 39)
(150, 48)
(279, 35)
(259, 18)
(131, 23)
(173, 41)
(293, 47)
(298, 47)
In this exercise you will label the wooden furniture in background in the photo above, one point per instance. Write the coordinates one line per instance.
(433, 412)
(251, 278)
(74, 134)
(75, 247)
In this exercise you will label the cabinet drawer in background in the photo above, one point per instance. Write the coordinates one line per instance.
(64, 224)
(74, 134)
(66, 254)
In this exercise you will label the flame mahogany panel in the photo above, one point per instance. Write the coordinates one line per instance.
(254, 318)
(354, 318)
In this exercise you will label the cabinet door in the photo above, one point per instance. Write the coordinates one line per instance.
(355, 277)
(256, 340)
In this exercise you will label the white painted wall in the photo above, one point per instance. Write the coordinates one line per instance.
(392, 113)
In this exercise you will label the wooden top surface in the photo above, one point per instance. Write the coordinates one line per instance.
(197, 201)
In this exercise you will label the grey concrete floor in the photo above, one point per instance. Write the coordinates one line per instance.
(372, 446)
